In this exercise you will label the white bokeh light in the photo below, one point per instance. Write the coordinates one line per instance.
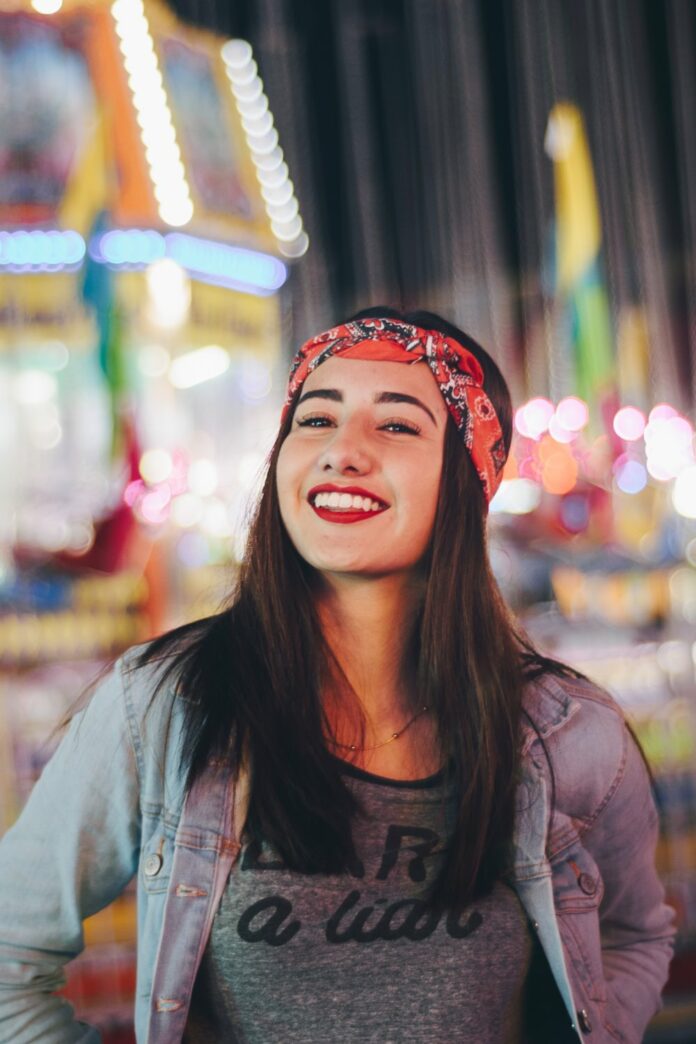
(684, 493)
(572, 413)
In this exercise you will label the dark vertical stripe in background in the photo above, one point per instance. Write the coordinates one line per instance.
(414, 132)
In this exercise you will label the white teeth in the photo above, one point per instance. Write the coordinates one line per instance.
(345, 502)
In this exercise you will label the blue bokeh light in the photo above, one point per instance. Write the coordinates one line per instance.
(205, 259)
(131, 248)
(226, 265)
(632, 477)
(41, 250)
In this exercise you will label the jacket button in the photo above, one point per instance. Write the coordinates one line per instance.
(584, 1020)
(587, 884)
(152, 865)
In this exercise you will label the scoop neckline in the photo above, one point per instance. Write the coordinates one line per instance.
(428, 783)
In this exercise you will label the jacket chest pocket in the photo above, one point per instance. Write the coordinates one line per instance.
(578, 889)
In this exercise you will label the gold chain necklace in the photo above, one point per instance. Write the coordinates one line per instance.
(394, 735)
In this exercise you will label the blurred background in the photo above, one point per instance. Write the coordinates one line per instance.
(188, 192)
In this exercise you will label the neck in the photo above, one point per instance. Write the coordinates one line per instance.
(368, 624)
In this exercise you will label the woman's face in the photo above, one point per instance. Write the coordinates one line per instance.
(359, 473)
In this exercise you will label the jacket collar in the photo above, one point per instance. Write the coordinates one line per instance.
(549, 705)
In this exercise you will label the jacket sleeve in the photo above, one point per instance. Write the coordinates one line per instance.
(636, 926)
(72, 850)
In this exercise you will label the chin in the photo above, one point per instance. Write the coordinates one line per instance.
(329, 565)
(363, 570)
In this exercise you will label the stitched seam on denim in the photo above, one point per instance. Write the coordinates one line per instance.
(574, 906)
(567, 840)
(169, 820)
(196, 843)
(578, 902)
(131, 719)
(616, 1034)
(555, 691)
(588, 980)
(544, 727)
(613, 787)
(226, 847)
(591, 691)
(533, 872)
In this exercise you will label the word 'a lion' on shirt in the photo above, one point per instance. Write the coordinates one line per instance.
(355, 957)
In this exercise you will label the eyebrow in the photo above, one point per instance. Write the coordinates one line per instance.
(381, 397)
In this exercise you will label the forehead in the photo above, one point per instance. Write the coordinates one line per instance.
(367, 376)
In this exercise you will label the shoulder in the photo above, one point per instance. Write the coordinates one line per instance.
(143, 675)
(156, 721)
(585, 738)
(149, 682)
(133, 696)
(571, 708)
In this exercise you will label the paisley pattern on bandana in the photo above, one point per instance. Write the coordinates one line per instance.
(457, 371)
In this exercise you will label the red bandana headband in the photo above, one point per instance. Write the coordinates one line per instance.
(457, 371)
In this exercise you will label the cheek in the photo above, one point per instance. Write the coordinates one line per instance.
(425, 504)
(427, 510)
(424, 482)
(290, 475)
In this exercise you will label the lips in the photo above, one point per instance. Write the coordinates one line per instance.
(345, 504)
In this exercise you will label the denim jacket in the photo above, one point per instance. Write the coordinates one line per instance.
(111, 803)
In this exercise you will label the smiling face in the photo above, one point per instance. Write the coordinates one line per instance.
(358, 475)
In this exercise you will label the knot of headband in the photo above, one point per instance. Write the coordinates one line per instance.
(457, 371)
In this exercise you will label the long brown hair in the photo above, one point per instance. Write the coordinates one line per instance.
(252, 675)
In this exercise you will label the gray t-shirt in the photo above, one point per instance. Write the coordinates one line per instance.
(309, 959)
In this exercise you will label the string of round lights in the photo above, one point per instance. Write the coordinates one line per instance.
(277, 189)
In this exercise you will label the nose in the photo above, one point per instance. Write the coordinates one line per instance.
(347, 452)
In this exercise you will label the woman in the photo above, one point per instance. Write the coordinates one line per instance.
(360, 805)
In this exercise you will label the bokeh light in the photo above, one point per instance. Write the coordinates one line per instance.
(216, 518)
(668, 446)
(203, 477)
(199, 365)
(537, 414)
(684, 493)
(574, 512)
(34, 387)
(560, 433)
(521, 423)
(572, 413)
(631, 476)
(187, 510)
(629, 423)
(559, 472)
(663, 411)
(156, 466)
(516, 497)
(154, 506)
(47, 7)
(169, 292)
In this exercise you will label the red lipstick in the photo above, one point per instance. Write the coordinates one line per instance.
(357, 491)
(344, 517)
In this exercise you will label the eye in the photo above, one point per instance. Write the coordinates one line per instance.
(401, 427)
(314, 420)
